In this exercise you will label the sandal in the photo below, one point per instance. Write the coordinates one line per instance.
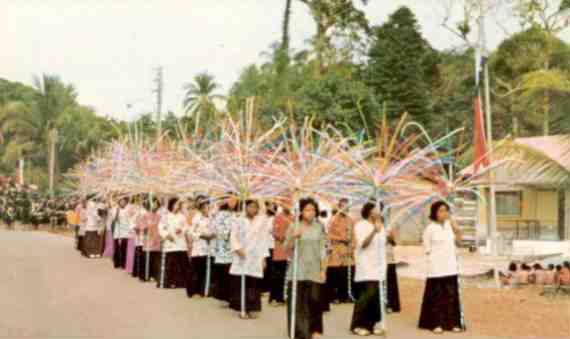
(457, 330)
(253, 316)
(361, 332)
(379, 332)
(243, 316)
(438, 330)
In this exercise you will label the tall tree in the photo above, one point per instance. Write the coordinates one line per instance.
(199, 98)
(402, 66)
(32, 126)
(531, 77)
(340, 17)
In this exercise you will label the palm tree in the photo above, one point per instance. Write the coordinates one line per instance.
(199, 98)
(31, 127)
(14, 136)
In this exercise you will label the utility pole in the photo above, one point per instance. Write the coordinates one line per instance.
(492, 238)
(53, 139)
(158, 80)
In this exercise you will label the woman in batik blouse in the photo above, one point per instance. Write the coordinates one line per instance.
(222, 224)
(250, 249)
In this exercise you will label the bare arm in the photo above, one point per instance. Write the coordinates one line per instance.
(456, 231)
(369, 238)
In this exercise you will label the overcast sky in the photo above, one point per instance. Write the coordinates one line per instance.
(108, 49)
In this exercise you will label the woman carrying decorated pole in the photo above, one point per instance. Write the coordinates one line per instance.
(140, 244)
(270, 212)
(340, 262)
(281, 224)
(110, 223)
(222, 224)
(121, 235)
(250, 250)
(94, 225)
(172, 228)
(81, 212)
(134, 209)
(393, 302)
(147, 229)
(441, 306)
(370, 239)
(201, 234)
(306, 274)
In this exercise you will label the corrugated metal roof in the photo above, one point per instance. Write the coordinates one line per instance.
(556, 147)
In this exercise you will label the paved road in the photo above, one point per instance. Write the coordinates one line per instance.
(48, 290)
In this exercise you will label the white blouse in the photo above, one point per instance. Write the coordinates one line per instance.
(122, 225)
(249, 236)
(200, 227)
(439, 245)
(370, 261)
(176, 226)
(269, 226)
(92, 220)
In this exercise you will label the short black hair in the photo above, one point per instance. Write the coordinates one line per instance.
(303, 203)
(551, 266)
(367, 210)
(225, 207)
(435, 207)
(252, 201)
(512, 267)
(203, 203)
(537, 266)
(172, 203)
(567, 264)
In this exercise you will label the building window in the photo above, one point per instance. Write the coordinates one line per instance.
(509, 204)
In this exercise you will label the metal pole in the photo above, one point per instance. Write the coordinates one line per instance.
(492, 210)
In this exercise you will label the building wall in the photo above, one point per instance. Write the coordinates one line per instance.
(541, 205)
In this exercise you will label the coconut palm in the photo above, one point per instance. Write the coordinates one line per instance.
(199, 98)
(30, 127)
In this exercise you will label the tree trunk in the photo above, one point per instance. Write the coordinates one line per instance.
(53, 140)
(286, 22)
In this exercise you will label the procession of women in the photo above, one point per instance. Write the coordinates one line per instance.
(305, 217)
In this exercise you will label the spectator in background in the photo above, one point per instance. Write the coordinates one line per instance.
(508, 278)
(538, 275)
(522, 276)
(564, 274)
(549, 275)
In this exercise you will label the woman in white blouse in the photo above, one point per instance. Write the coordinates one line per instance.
(172, 228)
(201, 234)
(250, 248)
(370, 258)
(121, 230)
(441, 306)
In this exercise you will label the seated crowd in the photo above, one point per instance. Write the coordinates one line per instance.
(536, 274)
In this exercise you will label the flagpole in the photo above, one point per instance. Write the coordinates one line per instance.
(492, 209)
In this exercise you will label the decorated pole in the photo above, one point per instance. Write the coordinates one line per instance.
(382, 293)
(294, 287)
(147, 241)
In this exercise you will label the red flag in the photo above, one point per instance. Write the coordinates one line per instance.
(480, 143)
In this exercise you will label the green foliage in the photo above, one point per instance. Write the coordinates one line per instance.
(403, 66)
(531, 81)
(199, 99)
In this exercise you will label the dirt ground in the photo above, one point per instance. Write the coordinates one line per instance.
(48, 290)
